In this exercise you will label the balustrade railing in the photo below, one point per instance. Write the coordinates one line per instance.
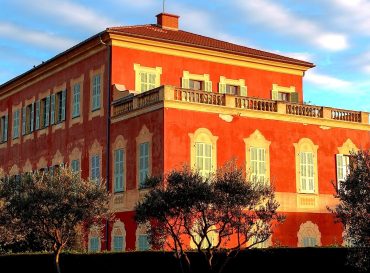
(168, 93)
(197, 96)
(304, 110)
(256, 104)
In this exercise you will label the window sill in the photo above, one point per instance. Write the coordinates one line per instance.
(119, 192)
(74, 117)
(96, 109)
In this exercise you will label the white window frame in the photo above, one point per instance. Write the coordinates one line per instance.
(258, 163)
(205, 79)
(140, 70)
(222, 86)
(342, 166)
(202, 160)
(307, 172)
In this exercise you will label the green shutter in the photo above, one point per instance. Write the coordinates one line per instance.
(208, 86)
(52, 112)
(243, 91)
(222, 88)
(294, 97)
(64, 93)
(32, 116)
(37, 115)
(47, 110)
(185, 83)
(23, 121)
(6, 128)
(274, 95)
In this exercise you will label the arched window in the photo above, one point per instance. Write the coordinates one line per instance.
(142, 239)
(144, 155)
(212, 236)
(94, 239)
(118, 242)
(309, 235)
(203, 154)
(306, 166)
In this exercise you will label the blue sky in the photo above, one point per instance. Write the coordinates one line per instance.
(333, 34)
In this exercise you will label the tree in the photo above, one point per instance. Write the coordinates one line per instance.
(222, 213)
(353, 209)
(52, 206)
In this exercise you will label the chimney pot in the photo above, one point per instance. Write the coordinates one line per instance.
(168, 21)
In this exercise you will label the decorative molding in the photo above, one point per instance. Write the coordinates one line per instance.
(308, 229)
(119, 143)
(94, 232)
(203, 135)
(347, 147)
(144, 136)
(14, 170)
(58, 158)
(257, 140)
(42, 164)
(306, 145)
(79, 119)
(92, 73)
(118, 229)
(155, 70)
(27, 166)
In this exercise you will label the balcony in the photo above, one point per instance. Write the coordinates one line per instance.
(167, 93)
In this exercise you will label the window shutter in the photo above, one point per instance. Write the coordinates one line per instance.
(23, 121)
(340, 175)
(6, 128)
(64, 93)
(294, 97)
(52, 112)
(37, 115)
(208, 86)
(222, 88)
(243, 90)
(32, 116)
(274, 95)
(185, 83)
(47, 111)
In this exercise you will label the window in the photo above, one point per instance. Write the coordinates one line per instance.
(283, 93)
(306, 170)
(309, 242)
(196, 85)
(309, 235)
(258, 164)
(28, 119)
(342, 168)
(306, 166)
(42, 113)
(58, 107)
(232, 87)
(76, 100)
(143, 163)
(3, 129)
(118, 170)
(95, 168)
(196, 81)
(147, 78)
(94, 244)
(16, 124)
(203, 158)
(143, 242)
(75, 165)
(118, 243)
(96, 92)
(197, 231)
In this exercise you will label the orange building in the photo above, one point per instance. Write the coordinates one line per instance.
(140, 100)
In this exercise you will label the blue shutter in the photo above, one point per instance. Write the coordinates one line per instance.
(6, 129)
(32, 116)
(52, 112)
(23, 121)
(37, 115)
(47, 111)
(64, 93)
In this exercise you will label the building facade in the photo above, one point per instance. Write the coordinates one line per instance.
(143, 100)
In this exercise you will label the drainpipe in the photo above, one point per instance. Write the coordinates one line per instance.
(109, 84)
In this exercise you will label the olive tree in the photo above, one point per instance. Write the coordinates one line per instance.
(50, 205)
(221, 213)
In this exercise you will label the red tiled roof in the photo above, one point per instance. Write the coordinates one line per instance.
(157, 33)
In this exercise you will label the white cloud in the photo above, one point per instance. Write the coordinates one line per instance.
(366, 69)
(69, 13)
(281, 19)
(355, 14)
(40, 39)
(328, 82)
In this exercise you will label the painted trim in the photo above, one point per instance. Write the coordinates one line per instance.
(118, 229)
(308, 229)
(347, 147)
(155, 70)
(144, 136)
(119, 143)
(96, 149)
(72, 82)
(93, 72)
(120, 40)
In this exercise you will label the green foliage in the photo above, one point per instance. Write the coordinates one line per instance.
(354, 208)
(208, 211)
(49, 207)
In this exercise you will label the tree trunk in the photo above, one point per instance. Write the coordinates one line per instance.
(57, 252)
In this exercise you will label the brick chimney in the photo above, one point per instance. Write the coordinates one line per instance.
(168, 21)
